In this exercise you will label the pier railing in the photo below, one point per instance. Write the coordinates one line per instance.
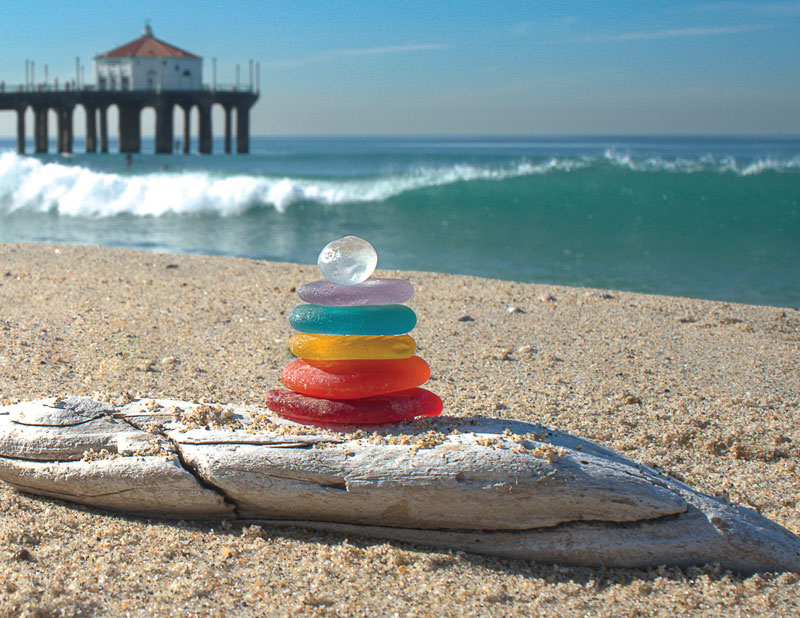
(72, 87)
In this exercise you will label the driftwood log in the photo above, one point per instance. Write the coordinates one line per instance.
(489, 486)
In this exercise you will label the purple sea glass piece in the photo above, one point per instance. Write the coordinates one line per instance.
(370, 292)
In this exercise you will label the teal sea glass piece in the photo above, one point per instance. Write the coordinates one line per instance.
(363, 320)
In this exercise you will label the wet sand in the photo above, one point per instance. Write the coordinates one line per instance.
(705, 391)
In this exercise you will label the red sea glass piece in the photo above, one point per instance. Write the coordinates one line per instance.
(392, 408)
(354, 379)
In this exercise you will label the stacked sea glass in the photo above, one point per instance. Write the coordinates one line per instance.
(355, 362)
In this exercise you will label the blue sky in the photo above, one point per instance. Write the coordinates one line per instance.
(441, 66)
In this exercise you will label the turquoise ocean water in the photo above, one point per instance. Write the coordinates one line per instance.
(707, 217)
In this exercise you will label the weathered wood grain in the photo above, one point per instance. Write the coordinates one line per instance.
(491, 486)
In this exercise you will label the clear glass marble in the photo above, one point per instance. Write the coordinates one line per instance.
(347, 261)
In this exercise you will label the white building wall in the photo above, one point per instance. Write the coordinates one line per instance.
(149, 73)
(113, 74)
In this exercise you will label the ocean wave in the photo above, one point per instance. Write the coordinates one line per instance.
(31, 185)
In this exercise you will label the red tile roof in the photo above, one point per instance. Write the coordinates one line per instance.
(147, 46)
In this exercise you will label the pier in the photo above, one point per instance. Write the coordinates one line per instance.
(145, 72)
(130, 104)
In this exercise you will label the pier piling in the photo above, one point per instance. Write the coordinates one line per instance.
(91, 128)
(227, 129)
(21, 130)
(243, 129)
(204, 140)
(40, 129)
(187, 134)
(64, 137)
(104, 128)
(164, 129)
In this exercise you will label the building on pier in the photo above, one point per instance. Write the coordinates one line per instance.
(148, 63)
(146, 72)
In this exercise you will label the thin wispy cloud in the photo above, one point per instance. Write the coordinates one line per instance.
(674, 33)
(785, 9)
(368, 51)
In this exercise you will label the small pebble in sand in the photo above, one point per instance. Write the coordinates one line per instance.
(600, 295)
(23, 555)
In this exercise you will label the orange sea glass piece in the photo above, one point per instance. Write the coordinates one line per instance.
(354, 379)
(392, 408)
(349, 347)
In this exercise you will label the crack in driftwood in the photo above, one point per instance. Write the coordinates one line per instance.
(562, 526)
(205, 483)
(55, 426)
(190, 469)
(294, 445)
(66, 495)
(42, 461)
(340, 484)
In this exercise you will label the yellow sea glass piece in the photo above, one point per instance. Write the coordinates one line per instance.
(351, 347)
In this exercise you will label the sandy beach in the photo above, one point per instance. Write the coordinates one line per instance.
(708, 392)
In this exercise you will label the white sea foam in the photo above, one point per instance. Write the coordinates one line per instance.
(704, 163)
(656, 163)
(762, 165)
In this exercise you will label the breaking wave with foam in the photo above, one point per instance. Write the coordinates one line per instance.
(29, 184)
